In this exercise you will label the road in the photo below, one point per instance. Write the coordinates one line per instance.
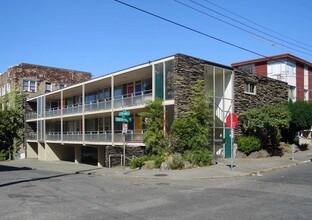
(38, 194)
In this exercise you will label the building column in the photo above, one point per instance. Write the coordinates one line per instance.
(41, 151)
(101, 156)
(77, 154)
(31, 150)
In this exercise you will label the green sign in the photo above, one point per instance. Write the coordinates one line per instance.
(119, 119)
(124, 113)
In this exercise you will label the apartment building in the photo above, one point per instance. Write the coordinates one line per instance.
(287, 68)
(62, 124)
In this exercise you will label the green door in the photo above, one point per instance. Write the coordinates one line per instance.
(227, 146)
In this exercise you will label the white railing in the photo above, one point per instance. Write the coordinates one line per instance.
(32, 115)
(72, 136)
(53, 136)
(97, 105)
(31, 136)
(72, 109)
(131, 137)
(133, 99)
(98, 136)
(53, 112)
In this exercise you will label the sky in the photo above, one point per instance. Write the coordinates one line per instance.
(104, 36)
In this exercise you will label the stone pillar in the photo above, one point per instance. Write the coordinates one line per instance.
(101, 156)
(77, 154)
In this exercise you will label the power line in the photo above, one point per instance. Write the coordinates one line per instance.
(259, 25)
(240, 28)
(193, 30)
(189, 28)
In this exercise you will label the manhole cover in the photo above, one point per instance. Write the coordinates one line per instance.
(160, 174)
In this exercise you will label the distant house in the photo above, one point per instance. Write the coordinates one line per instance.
(79, 122)
(287, 68)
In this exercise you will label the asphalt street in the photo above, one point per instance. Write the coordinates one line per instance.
(39, 194)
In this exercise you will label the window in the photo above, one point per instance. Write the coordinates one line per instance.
(248, 68)
(8, 87)
(306, 95)
(48, 87)
(29, 86)
(291, 92)
(250, 88)
(3, 90)
(62, 86)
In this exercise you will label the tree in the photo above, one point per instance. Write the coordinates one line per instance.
(12, 125)
(266, 123)
(154, 137)
(301, 118)
(191, 130)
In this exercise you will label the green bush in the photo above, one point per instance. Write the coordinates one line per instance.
(248, 144)
(200, 157)
(158, 160)
(138, 162)
(4, 155)
(177, 163)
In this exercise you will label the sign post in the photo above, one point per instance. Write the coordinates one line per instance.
(231, 122)
(125, 120)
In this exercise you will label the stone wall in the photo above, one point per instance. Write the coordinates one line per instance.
(268, 91)
(130, 151)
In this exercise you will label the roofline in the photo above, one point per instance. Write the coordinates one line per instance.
(272, 58)
(50, 67)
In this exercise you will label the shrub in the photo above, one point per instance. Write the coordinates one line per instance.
(248, 144)
(303, 147)
(138, 162)
(158, 160)
(177, 162)
(4, 155)
(200, 157)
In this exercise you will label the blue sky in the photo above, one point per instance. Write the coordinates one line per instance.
(102, 36)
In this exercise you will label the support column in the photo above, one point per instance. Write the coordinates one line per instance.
(31, 150)
(77, 154)
(101, 156)
(41, 151)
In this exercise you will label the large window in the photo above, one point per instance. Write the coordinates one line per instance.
(29, 86)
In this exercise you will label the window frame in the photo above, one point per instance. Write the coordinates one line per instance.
(250, 88)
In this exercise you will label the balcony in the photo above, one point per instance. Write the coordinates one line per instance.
(32, 115)
(53, 136)
(98, 105)
(72, 109)
(131, 137)
(53, 112)
(98, 136)
(31, 136)
(133, 99)
(75, 136)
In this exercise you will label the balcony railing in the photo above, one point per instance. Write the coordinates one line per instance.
(90, 136)
(32, 115)
(53, 112)
(131, 137)
(72, 136)
(133, 99)
(97, 105)
(72, 109)
(98, 136)
(53, 136)
(31, 136)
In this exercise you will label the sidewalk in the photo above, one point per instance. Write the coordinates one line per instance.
(243, 167)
